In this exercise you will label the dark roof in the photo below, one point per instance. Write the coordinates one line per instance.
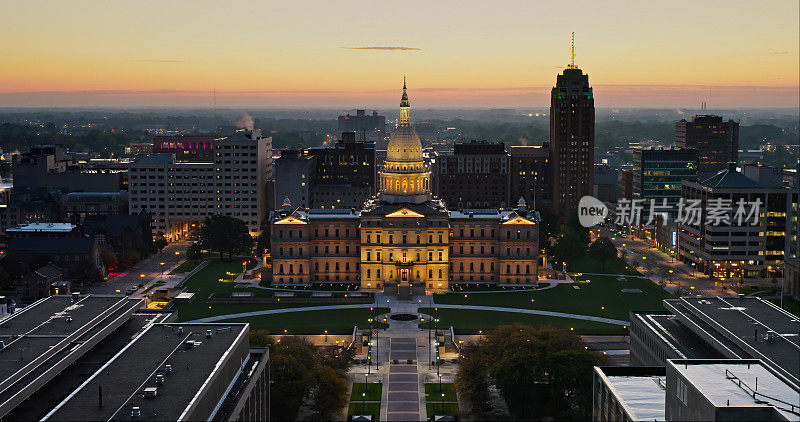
(46, 245)
(113, 225)
(730, 179)
(49, 271)
(426, 209)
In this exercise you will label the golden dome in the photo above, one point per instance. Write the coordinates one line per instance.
(404, 144)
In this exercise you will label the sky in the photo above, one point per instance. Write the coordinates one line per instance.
(465, 53)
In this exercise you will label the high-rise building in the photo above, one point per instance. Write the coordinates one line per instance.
(716, 140)
(178, 194)
(657, 177)
(294, 176)
(193, 148)
(606, 180)
(367, 127)
(571, 139)
(473, 175)
(345, 173)
(531, 174)
(404, 239)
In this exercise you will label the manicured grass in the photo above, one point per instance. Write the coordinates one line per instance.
(441, 409)
(587, 264)
(357, 408)
(471, 322)
(338, 321)
(432, 392)
(590, 299)
(186, 266)
(373, 391)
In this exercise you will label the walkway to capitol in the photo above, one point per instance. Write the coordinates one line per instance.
(404, 387)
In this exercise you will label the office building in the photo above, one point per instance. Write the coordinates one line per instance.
(294, 176)
(345, 173)
(694, 389)
(724, 246)
(51, 335)
(191, 148)
(78, 205)
(180, 193)
(657, 176)
(404, 239)
(367, 127)
(571, 140)
(44, 169)
(530, 174)
(718, 328)
(473, 175)
(717, 141)
(626, 183)
(178, 372)
(606, 181)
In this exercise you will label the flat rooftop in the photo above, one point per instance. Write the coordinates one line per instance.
(52, 331)
(42, 227)
(682, 340)
(719, 382)
(641, 390)
(124, 378)
(745, 322)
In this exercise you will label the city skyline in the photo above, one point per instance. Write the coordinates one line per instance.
(253, 54)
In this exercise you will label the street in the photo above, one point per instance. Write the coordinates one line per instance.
(656, 265)
(145, 272)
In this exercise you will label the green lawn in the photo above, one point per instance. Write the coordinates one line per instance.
(373, 391)
(441, 409)
(471, 322)
(587, 264)
(356, 408)
(432, 392)
(186, 266)
(598, 293)
(338, 321)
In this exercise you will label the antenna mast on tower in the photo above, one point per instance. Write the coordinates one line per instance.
(572, 58)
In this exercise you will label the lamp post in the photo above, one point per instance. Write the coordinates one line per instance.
(326, 336)
(436, 321)
(377, 340)
(369, 346)
(162, 268)
(364, 393)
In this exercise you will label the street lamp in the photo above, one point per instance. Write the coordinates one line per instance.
(326, 336)
(162, 268)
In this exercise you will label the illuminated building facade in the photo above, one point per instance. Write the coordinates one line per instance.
(404, 238)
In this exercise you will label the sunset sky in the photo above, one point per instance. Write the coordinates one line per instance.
(455, 53)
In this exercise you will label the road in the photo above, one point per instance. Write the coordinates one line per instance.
(656, 265)
(147, 271)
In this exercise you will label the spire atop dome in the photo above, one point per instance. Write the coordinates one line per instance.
(405, 106)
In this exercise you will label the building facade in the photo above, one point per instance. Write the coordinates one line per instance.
(177, 194)
(722, 247)
(474, 175)
(345, 173)
(716, 140)
(571, 140)
(404, 238)
(531, 173)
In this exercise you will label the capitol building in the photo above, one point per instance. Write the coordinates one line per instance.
(404, 239)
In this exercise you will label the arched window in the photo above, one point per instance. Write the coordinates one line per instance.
(347, 266)
(440, 273)
(481, 266)
(368, 275)
(337, 265)
(291, 269)
(316, 266)
(430, 273)
(327, 266)
(472, 266)
(461, 266)
(378, 273)
(405, 186)
(300, 269)
(280, 269)
(417, 274)
(517, 268)
(397, 186)
(508, 269)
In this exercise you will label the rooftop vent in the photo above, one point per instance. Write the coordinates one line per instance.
(150, 392)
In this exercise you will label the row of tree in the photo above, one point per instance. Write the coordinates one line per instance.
(541, 372)
(302, 373)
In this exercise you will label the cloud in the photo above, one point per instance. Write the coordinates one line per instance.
(398, 48)
(781, 52)
(155, 61)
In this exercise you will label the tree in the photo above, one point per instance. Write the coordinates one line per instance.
(260, 338)
(328, 392)
(570, 247)
(263, 242)
(292, 362)
(194, 252)
(109, 258)
(603, 250)
(472, 379)
(339, 359)
(160, 242)
(87, 272)
(223, 234)
(540, 372)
